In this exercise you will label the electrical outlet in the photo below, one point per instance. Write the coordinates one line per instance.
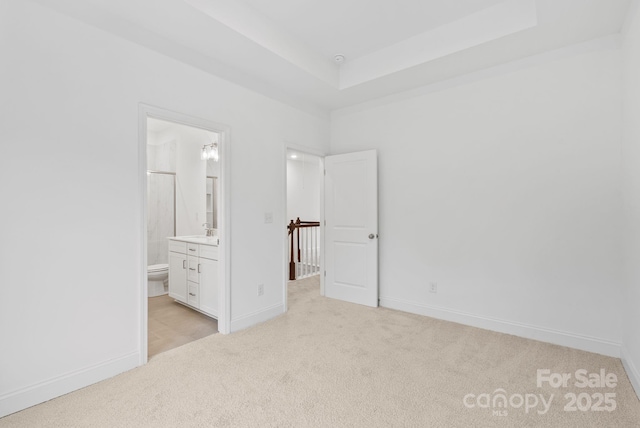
(260, 289)
(433, 287)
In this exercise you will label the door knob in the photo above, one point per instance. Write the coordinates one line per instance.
(371, 236)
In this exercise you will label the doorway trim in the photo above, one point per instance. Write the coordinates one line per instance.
(285, 255)
(146, 111)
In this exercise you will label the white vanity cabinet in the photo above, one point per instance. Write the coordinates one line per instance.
(193, 266)
(178, 270)
(209, 295)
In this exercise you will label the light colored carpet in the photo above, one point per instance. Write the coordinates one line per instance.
(332, 364)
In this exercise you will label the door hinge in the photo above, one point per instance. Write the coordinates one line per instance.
(325, 273)
(325, 172)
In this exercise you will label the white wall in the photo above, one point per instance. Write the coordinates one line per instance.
(506, 192)
(190, 169)
(631, 186)
(70, 263)
(303, 188)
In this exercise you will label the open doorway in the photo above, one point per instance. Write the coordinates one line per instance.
(180, 201)
(304, 214)
(185, 252)
(348, 225)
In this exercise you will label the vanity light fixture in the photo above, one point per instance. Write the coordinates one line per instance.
(210, 151)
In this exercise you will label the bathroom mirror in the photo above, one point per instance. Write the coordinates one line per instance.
(212, 201)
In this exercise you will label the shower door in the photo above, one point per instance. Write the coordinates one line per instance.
(161, 215)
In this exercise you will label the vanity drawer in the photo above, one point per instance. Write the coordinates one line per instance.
(193, 274)
(193, 295)
(209, 252)
(192, 249)
(177, 246)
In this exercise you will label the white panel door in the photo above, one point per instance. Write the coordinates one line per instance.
(351, 232)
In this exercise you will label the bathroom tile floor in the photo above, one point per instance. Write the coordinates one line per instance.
(172, 324)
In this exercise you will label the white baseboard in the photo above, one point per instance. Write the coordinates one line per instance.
(557, 337)
(257, 317)
(631, 369)
(64, 384)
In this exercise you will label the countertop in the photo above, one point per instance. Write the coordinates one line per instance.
(197, 239)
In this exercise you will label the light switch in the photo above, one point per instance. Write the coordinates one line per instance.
(268, 217)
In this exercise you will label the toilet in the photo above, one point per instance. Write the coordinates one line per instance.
(157, 276)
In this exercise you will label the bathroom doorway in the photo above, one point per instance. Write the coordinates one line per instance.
(183, 196)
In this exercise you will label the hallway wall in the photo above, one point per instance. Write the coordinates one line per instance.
(631, 188)
(303, 188)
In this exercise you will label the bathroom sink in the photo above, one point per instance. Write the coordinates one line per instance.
(200, 239)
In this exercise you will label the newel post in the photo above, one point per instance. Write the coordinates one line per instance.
(292, 263)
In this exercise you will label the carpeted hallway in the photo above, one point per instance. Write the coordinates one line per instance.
(332, 364)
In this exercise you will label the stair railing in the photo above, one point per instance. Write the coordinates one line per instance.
(304, 240)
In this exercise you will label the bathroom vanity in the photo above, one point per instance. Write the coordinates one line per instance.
(193, 272)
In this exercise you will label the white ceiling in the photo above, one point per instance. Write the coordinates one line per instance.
(297, 156)
(284, 48)
(359, 27)
(157, 125)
